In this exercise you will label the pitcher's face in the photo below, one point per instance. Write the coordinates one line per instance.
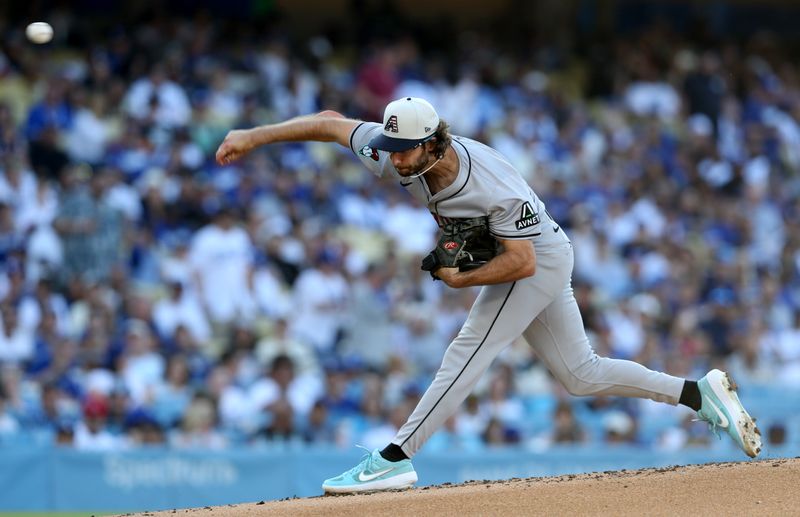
(412, 161)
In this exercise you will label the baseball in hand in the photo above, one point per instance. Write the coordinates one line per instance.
(39, 32)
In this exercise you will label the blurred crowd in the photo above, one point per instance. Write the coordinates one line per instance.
(150, 296)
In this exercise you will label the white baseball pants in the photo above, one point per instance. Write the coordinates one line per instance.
(542, 309)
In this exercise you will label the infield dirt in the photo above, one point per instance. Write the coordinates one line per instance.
(766, 487)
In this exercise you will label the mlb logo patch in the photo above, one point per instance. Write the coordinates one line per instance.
(369, 152)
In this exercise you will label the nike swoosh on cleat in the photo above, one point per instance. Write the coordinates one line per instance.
(723, 419)
(369, 477)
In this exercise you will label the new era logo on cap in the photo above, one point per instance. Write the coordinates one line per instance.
(406, 123)
(391, 124)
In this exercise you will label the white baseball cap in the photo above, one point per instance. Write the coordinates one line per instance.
(407, 122)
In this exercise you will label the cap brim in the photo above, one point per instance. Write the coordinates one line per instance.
(393, 145)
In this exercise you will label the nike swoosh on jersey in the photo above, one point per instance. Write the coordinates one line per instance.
(722, 418)
(369, 477)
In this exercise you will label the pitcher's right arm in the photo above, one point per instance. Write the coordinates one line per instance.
(326, 126)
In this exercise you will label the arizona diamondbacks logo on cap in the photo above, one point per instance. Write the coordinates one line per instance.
(527, 217)
(391, 124)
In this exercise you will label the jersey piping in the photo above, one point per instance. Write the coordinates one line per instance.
(516, 236)
(352, 134)
(466, 180)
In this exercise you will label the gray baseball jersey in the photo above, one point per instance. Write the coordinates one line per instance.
(540, 308)
(487, 185)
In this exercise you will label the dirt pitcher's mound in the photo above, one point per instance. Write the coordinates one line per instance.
(766, 487)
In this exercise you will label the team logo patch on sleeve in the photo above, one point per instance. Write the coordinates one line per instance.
(527, 217)
(369, 152)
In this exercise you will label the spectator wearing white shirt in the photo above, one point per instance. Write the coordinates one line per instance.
(9, 425)
(16, 341)
(369, 326)
(237, 411)
(224, 104)
(198, 426)
(173, 394)
(610, 274)
(412, 227)
(627, 335)
(175, 263)
(278, 342)
(91, 131)
(750, 363)
(653, 97)
(271, 293)
(180, 308)
(471, 420)
(378, 435)
(156, 98)
(221, 254)
(321, 294)
(621, 226)
(92, 434)
(17, 184)
(44, 299)
(296, 93)
(141, 367)
(360, 208)
(783, 347)
(38, 210)
(501, 403)
(282, 384)
(122, 196)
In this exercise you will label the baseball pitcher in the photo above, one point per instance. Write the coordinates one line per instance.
(496, 233)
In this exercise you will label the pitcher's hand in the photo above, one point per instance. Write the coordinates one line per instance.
(449, 275)
(237, 143)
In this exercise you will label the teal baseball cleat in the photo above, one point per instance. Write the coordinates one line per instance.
(372, 474)
(721, 409)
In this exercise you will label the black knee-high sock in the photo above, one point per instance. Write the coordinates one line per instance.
(393, 452)
(690, 395)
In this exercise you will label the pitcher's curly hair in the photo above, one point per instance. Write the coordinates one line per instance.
(441, 139)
